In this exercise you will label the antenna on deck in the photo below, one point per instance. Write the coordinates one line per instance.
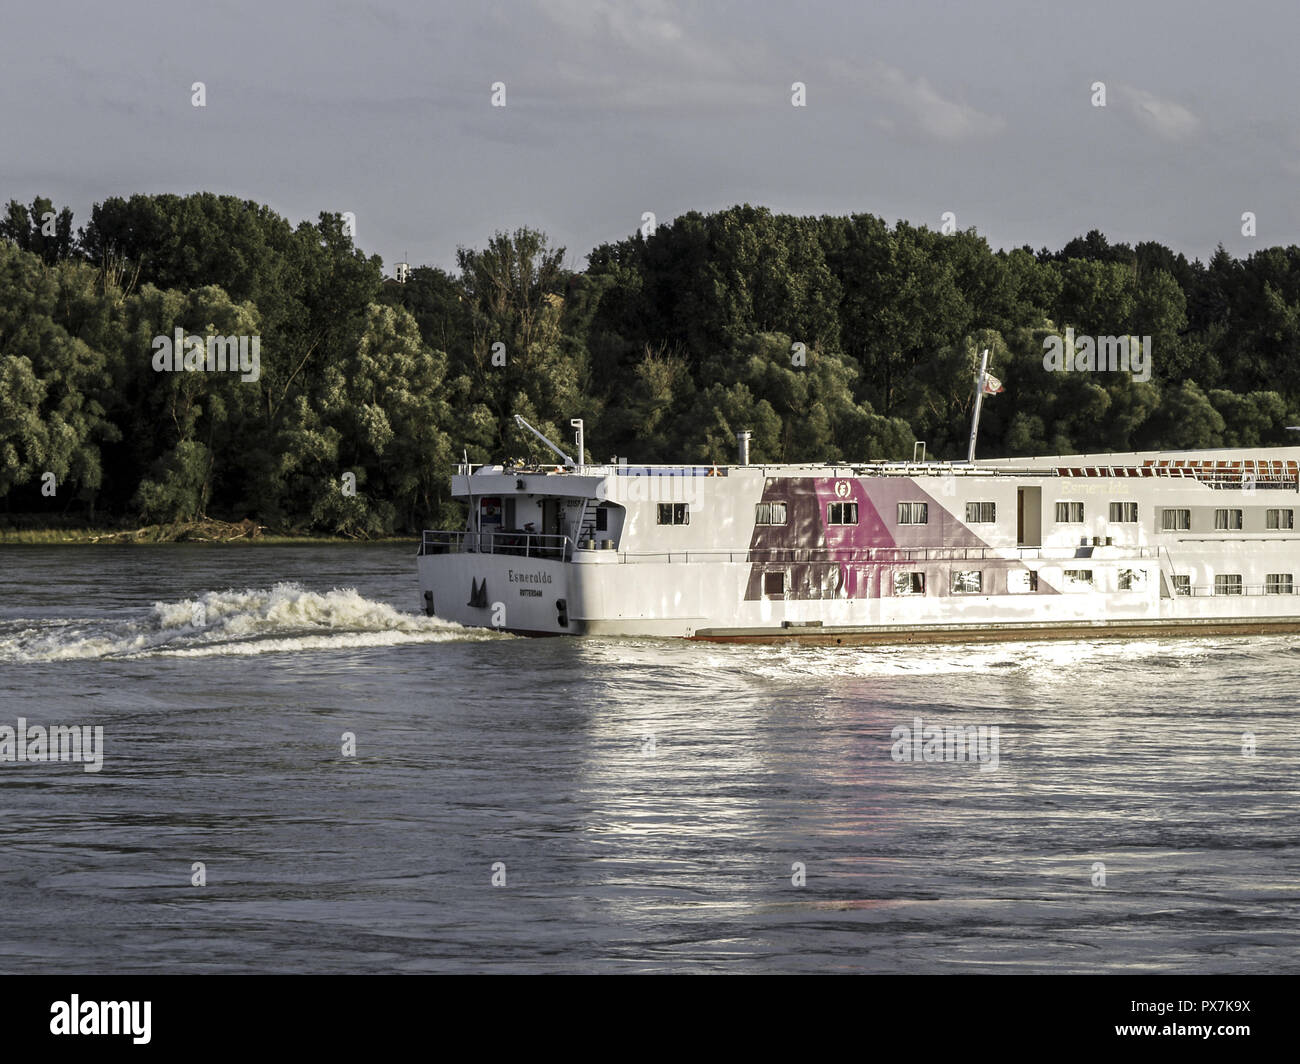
(579, 442)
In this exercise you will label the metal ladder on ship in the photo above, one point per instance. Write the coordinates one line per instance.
(587, 522)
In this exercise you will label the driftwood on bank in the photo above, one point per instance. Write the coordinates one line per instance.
(205, 530)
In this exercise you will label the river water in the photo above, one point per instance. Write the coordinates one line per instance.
(642, 806)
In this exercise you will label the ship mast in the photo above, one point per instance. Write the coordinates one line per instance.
(979, 403)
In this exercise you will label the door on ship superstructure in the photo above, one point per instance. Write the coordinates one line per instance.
(552, 513)
(1029, 517)
(561, 517)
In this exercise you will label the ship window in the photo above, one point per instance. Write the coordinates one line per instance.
(967, 581)
(1182, 584)
(842, 513)
(674, 513)
(1278, 583)
(913, 513)
(982, 513)
(1175, 520)
(602, 518)
(909, 583)
(1123, 511)
(1132, 579)
(1022, 581)
(1229, 519)
(770, 513)
(1078, 577)
(774, 583)
(1069, 513)
(1280, 519)
(1227, 584)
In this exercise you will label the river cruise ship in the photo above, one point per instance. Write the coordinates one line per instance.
(1072, 546)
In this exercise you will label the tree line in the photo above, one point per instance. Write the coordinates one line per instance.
(830, 338)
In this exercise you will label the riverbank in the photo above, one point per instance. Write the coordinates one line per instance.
(206, 531)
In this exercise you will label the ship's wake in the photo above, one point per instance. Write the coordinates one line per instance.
(282, 619)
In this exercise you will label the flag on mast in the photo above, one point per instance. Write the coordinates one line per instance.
(992, 385)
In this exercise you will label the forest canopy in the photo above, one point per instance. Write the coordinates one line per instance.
(829, 338)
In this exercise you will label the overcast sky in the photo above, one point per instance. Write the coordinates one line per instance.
(618, 107)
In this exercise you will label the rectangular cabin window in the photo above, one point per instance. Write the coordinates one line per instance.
(1227, 519)
(980, 513)
(1022, 581)
(770, 513)
(1175, 520)
(1126, 512)
(1278, 584)
(1078, 579)
(913, 513)
(1069, 513)
(1182, 584)
(774, 584)
(842, 513)
(1132, 579)
(602, 518)
(674, 513)
(1227, 584)
(1275, 519)
(909, 583)
(967, 581)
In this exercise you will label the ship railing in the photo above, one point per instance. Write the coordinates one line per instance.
(518, 544)
(1235, 480)
(882, 555)
(1228, 537)
(561, 548)
(1265, 478)
(1212, 591)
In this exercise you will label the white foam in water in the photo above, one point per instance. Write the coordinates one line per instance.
(282, 619)
(1058, 657)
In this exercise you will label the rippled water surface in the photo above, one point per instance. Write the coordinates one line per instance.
(648, 803)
